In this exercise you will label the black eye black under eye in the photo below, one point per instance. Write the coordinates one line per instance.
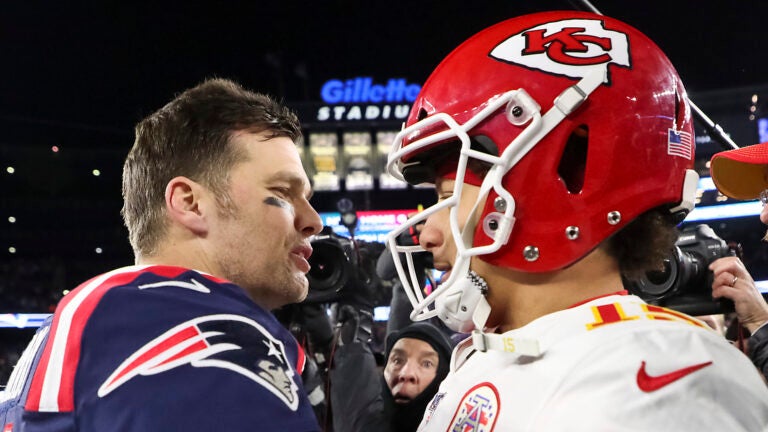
(276, 202)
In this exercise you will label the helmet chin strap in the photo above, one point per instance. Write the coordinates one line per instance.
(464, 308)
(458, 306)
(479, 317)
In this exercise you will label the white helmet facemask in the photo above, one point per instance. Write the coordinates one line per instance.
(460, 300)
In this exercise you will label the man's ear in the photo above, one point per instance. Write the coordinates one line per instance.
(183, 204)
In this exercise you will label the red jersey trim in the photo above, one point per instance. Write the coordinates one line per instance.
(53, 382)
(301, 359)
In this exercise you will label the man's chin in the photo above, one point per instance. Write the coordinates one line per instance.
(304, 291)
(302, 297)
(296, 293)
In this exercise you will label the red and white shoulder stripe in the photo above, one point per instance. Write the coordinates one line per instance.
(52, 387)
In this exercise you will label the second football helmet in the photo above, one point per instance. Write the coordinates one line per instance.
(583, 124)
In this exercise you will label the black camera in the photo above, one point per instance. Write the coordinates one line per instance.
(685, 282)
(341, 268)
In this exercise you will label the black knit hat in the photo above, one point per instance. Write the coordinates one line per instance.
(426, 332)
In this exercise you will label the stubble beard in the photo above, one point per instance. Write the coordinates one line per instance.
(267, 287)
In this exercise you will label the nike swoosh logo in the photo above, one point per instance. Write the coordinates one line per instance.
(648, 383)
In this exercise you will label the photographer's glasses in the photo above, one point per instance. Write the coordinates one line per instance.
(764, 197)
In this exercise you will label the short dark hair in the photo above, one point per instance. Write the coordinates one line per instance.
(190, 136)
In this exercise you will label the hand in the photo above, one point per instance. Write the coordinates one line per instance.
(733, 281)
(355, 324)
(316, 323)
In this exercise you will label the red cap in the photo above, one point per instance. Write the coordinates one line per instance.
(741, 173)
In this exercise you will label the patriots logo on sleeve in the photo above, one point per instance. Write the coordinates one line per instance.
(225, 341)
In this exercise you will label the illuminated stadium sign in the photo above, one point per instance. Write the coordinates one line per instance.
(368, 112)
(363, 90)
(361, 99)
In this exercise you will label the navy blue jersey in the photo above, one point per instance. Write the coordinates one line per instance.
(158, 348)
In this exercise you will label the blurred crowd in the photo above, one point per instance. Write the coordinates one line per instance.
(31, 286)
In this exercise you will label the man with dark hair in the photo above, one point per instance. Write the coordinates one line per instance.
(561, 149)
(216, 202)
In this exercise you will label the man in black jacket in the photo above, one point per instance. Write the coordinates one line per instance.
(362, 398)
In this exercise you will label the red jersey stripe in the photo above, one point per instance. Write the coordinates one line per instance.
(52, 387)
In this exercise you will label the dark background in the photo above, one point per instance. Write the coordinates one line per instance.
(79, 75)
(101, 66)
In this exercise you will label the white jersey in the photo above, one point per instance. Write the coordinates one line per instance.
(612, 364)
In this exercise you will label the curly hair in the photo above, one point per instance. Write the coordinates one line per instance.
(643, 244)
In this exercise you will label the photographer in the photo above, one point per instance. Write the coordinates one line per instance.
(342, 283)
(417, 357)
(361, 395)
(743, 174)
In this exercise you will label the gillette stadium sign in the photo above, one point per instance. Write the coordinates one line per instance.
(363, 99)
(362, 89)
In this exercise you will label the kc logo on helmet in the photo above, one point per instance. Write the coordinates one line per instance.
(571, 48)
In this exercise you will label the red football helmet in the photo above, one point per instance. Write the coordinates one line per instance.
(584, 123)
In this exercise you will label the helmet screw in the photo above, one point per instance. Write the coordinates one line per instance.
(572, 232)
(531, 253)
(500, 204)
(614, 217)
(493, 224)
(517, 111)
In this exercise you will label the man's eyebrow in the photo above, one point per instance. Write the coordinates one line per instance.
(420, 354)
(398, 351)
(425, 354)
(294, 180)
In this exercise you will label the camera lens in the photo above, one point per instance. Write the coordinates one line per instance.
(685, 282)
(659, 283)
(327, 262)
(658, 277)
(322, 269)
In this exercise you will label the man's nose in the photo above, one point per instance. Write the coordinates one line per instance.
(308, 221)
(407, 373)
(430, 237)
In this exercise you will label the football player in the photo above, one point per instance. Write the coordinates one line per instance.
(216, 205)
(561, 147)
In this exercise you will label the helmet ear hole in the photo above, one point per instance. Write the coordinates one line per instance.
(422, 114)
(679, 109)
(573, 162)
